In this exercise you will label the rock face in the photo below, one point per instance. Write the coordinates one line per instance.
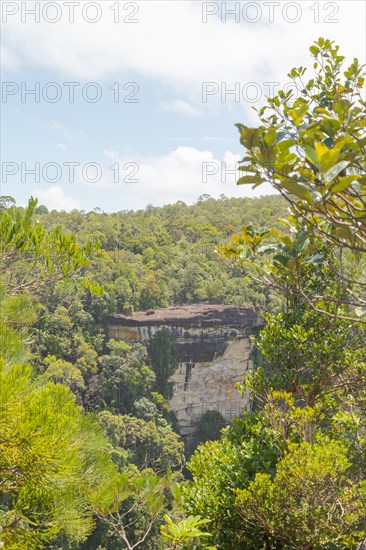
(214, 347)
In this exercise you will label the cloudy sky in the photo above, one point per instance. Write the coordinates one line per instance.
(117, 104)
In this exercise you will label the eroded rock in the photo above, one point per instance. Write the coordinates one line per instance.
(213, 343)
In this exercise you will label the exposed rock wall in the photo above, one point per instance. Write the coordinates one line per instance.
(214, 354)
(202, 386)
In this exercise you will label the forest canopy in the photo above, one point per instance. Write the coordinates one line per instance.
(90, 453)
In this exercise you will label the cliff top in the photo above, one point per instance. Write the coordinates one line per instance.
(190, 315)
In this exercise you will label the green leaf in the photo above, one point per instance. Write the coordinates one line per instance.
(281, 259)
(344, 183)
(298, 190)
(250, 180)
(321, 150)
(311, 154)
(315, 259)
(270, 136)
(285, 144)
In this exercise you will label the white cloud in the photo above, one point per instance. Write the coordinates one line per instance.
(55, 199)
(184, 173)
(9, 58)
(204, 138)
(181, 107)
(171, 42)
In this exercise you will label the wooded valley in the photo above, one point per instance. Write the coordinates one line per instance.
(90, 454)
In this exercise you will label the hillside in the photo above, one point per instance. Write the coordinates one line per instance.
(162, 256)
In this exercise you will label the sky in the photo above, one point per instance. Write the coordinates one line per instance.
(117, 105)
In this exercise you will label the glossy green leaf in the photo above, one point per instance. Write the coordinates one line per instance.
(297, 189)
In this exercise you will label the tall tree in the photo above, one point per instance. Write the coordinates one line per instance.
(311, 146)
(54, 468)
(32, 255)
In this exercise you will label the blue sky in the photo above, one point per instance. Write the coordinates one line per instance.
(150, 122)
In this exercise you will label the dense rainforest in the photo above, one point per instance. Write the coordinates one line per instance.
(90, 454)
(54, 317)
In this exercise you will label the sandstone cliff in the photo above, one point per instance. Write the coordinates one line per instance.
(213, 343)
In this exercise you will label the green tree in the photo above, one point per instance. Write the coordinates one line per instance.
(123, 379)
(63, 372)
(182, 532)
(6, 201)
(144, 499)
(53, 465)
(143, 443)
(312, 149)
(287, 477)
(17, 315)
(316, 357)
(31, 255)
(313, 500)
(163, 357)
(219, 468)
(209, 426)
